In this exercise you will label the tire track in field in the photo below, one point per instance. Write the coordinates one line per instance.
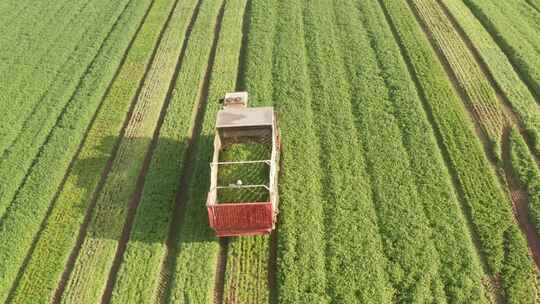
(502, 97)
(516, 193)
(520, 201)
(136, 198)
(76, 155)
(272, 266)
(182, 193)
(494, 281)
(88, 216)
(221, 269)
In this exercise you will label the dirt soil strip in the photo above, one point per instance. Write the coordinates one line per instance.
(62, 183)
(189, 159)
(516, 193)
(221, 269)
(505, 103)
(520, 200)
(84, 227)
(493, 284)
(272, 267)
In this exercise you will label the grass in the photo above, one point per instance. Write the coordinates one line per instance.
(23, 218)
(96, 255)
(488, 211)
(43, 270)
(521, 99)
(193, 273)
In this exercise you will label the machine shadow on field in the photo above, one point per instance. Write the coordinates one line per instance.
(162, 190)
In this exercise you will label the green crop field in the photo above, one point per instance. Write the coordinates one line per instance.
(409, 166)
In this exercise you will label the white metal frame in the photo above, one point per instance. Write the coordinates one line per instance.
(272, 163)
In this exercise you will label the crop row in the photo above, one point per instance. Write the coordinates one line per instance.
(528, 173)
(23, 219)
(67, 45)
(480, 96)
(518, 40)
(391, 98)
(528, 23)
(19, 155)
(59, 233)
(246, 275)
(139, 275)
(96, 255)
(520, 98)
(414, 156)
(489, 213)
(276, 70)
(193, 273)
(367, 213)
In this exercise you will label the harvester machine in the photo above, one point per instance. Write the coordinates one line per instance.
(243, 197)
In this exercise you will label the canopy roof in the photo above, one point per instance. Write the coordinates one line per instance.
(243, 117)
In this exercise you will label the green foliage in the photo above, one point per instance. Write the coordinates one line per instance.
(47, 262)
(195, 260)
(139, 274)
(390, 99)
(526, 169)
(246, 174)
(487, 208)
(22, 220)
(45, 36)
(521, 99)
(354, 212)
(275, 71)
(518, 39)
(96, 255)
(19, 155)
(246, 276)
(481, 98)
(519, 274)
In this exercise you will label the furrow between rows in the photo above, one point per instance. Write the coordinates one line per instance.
(97, 253)
(55, 156)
